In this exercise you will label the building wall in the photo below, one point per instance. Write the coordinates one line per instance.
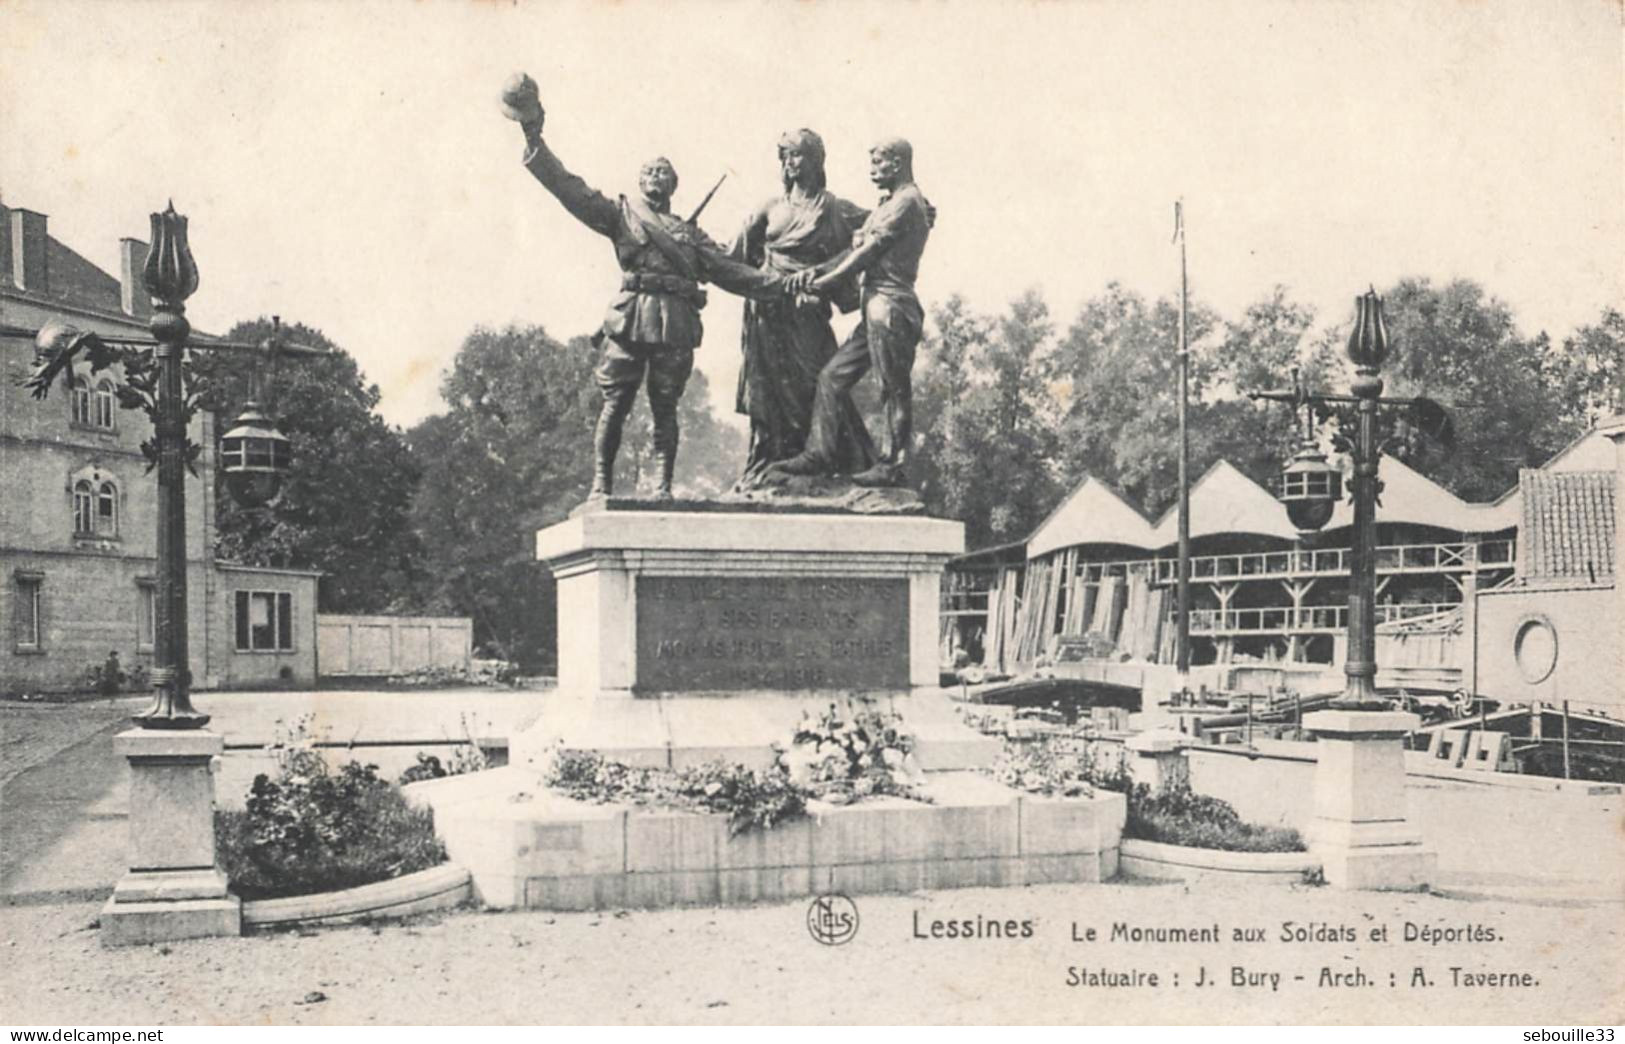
(239, 669)
(1588, 670)
(90, 589)
(89, 606)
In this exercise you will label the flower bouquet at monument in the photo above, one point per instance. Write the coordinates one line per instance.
(847, 753)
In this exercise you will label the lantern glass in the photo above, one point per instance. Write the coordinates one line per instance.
(254, 456)
(1310, 489)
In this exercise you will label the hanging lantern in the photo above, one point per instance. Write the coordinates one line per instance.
(1310, 489)
(254, 456)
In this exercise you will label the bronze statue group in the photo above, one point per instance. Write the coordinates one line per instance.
(801, 254)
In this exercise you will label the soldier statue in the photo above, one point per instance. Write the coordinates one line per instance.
(653, 324)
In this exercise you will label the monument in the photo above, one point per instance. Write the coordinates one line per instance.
(688, 634)
(692, 631)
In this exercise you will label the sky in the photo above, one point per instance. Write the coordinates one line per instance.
(347, 166)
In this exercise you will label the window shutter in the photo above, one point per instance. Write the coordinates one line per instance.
(242, 620)
(284, 621)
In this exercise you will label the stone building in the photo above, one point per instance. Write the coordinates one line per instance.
(78, 508)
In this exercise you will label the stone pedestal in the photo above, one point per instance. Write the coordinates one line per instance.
(1360, 830)
(172, 889)
(687, 635)
(1157, 758)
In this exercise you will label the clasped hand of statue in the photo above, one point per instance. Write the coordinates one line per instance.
(803, 283)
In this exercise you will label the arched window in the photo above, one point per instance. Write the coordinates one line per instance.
(81, 401)
(107, 510)
(84, 507)
(104, 404)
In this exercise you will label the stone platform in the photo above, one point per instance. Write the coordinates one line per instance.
(529, 848)
(695, 632)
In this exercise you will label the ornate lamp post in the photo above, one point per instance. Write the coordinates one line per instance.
(1310, 487)
(162, 381)
(172, 889)
(1359, 830)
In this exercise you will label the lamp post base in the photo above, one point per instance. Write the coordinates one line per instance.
(1360, 831)
(172, 890)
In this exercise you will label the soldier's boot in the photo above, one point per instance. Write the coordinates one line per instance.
(607, 438)
(665, 440)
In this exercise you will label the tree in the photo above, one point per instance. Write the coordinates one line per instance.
(1590, 369)
(984, 447)
(1258, 353)
(1461, 346)
(513, 453)
(1115, 376)
(345, 507)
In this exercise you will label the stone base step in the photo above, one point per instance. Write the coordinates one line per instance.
(528, 847)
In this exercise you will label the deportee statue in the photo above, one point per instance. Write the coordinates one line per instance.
(886, 252)
(787, 340)
(653, 324)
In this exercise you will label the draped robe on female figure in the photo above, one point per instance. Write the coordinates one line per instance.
(787, 342)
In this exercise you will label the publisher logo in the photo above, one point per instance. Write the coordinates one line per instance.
(832, 919)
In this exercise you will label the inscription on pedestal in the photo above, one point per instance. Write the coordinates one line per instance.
(768, 632)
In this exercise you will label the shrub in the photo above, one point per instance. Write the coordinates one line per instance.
(311, 830)
(1176, 815)
(466, 757)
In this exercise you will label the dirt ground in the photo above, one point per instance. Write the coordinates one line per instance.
(33, 733)
(761, 964)
(1554, 959)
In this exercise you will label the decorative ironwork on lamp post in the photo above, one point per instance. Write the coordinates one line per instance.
(1310, 487)
(160, 378)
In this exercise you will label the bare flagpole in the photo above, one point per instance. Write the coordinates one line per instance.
(1183, 649)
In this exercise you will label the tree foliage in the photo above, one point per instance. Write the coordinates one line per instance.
(1115, 377)
(1011, 417)
(1458, 344)
(983, 447)
(345, 507)
(1590, 368)
(513, 453)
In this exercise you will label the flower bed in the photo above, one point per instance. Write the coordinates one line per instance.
(1179, 816)
(311, 830)
(1174, 815)
(839, 756)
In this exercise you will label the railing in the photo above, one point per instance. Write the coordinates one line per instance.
(1464, 557)
(1329, 619)
(1393, 558)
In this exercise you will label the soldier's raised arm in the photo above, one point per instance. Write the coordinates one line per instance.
(589, 206)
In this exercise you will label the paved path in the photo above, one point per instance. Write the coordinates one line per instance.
(64, 795)
(64, 799)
